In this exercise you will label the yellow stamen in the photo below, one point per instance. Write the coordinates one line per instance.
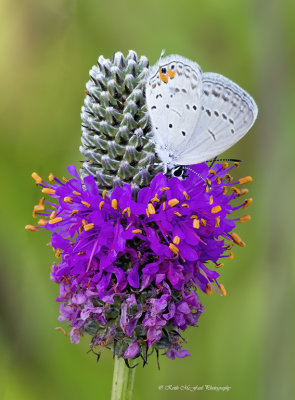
(208, 289)
(52, 215)
(74, 212)
(104, 193)
(155, 199)
(176, 240)
(211, 200)
(34, 214)
(31, 228)
(211, 171)
(59, 328)
(88, 227)
(65, 179)
(48, 191)
(42, 222)
(207, 189)
(80, 230)
(219, 265)
(127, 210)
(76, 193)
(37, 178)
(84, 222)
(218, 180)
(101, 204)
(224, 190)
(246, 179)
(196, 223)
(230, 178)
(203, 222)
(194, 217)
(245, 218)
(217, 222)
(51, 177)
(231, 255)
(38, 207)
(173, 202)
(41, 202)
(137, 231)
(147, 212)
(235, 189)
(225, 165)
(177, 213)
(238, 240)
(173, 248)
(186, 195)
(216, 209)
(243, 191)
(55, 220)
(222, 289)
(236, 164)
(185, 205)
(81, 253)
(68, 199)
(151, 209)
(115, 204)
(229, 247)
(247, 203)
(85, 203)
(58, 253)
(164, 189)
(164, 206)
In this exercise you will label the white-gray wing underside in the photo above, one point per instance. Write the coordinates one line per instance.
(227, 113)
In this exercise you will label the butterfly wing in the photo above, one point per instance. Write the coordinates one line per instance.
(173, 95)
(227, 113)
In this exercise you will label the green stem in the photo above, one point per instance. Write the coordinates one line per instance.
(123, 380)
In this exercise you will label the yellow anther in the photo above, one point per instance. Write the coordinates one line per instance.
(218, 180)
(31, 228)
(101, 204)
(208, 182)
(211, 200)
(68, 199)
(155, 199)
(81, 253)
(115, 204)
(147, 212)
(52, 215)
(207, 189)
(85, 203)
(173, 202)
(245, 218)
(208, 289)
(211, 171)
(164, 189)
(58, 253)
(81, 229)
(247, 203)
(41, 202)
(51, 177)
(84, 222)
(219, 265)
(34, 214)
(203, 222)
(231, 255)
(37, 178)
(176, 240)
(235, 189)
(236, 164)
(76, 193)
(217, 222)
(59, 328)
(173, 248)
(48, 191)
(194, 217)
(38, 207)
(55, 220)
(74, 212)
(229, 247)
(164, 206)
(229, 177)
(196, 223)
(186, 195)
(65, 179)
(224, 190)
(225, 165)
(42, 222)
(236, 238)
(222, 289)
(137, 231)
(243, 191)
(104, 193)
(177, 213)
(216, 209)
(184, 205)
(246, 179)
(151, 209)
(127, 210)
(87, 227)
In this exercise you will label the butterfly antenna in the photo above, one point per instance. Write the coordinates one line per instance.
(226, 159)
(200, 176)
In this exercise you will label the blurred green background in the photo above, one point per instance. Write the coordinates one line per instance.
(246, 339)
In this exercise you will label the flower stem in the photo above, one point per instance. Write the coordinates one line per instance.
(123, 380)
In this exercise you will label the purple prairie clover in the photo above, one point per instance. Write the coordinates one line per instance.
(130, 266)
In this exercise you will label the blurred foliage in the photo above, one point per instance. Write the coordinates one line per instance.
(245, 340)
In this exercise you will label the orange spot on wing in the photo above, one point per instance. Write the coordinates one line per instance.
(171, 73)
(163, 77)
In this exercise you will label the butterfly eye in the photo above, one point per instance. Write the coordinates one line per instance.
(164, 70)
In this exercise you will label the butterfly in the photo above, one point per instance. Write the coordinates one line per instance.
(195, 116)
